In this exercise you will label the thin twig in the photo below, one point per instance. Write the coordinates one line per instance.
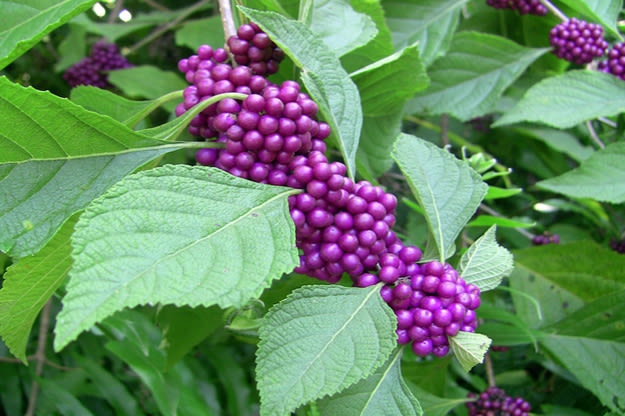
(119, 4)
(164, 28)
(227, 20)
(608, 122)
(40, 356)
(490, 373)
(31, 358)
(593, 135)
(494, 213)
(155, 5)
(553, 9)
(444, 129)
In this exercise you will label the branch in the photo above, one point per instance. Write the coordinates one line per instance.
(155, 5)
(40, 356)
(227, 20)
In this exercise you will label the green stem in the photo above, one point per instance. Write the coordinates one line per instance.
(553, 9)
(134, 120)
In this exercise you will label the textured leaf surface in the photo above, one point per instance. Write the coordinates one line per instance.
(469, 348)
(390, 82)
(27, 286)
(327, 82)
(376, 142)
(597, 364)
(469, 79)
(26, 22)
(55, 157)
(176, 235)
(600, 177)
(340, 26)
(199, 32)
(568, 99)
(573, 267)
(382, 393)
(447, 189)
(485, 263)
(147, 81)
(604, 12)
(436, 406)
(490, 220)
(320, 340)
(431, 23)
(559, 140)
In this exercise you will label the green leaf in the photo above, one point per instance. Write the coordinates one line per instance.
(433, 405)
(469, 348)
(111, 31)
(489, 221)
(234, 380)
(600, 177)
(376, 142)
(64, 401)
(495, 192)
(447, 189)
(431, 23)
(382, 393)
(27, 286)
(597, 364)
(485, 263)
(199, 32)
(195, 236)
(50, 146)
(184, 328)
(327, 82)
(26, 22)
(565, 100)
(573, 267)
(559, 140)
(340, 26)
(391, 81)
(430, 375)
(470, 78)
(603, 318)
(319, 341)
(604, 12)
(72, 49)
(128, 112)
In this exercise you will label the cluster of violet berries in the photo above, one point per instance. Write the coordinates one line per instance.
(252, 47)
(273, 136)
(494, 402)
(522, 6)
(546, 238)
(618, 245)
(578, 41)
(615, 64)
(92, 70)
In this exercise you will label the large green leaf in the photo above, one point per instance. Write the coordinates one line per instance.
(26, 22)
(27, 286)
(390, 82)
(470, 78)
(320, 340)
(600, 177)
(431, 23)
(177, 235)
(447, 189)
(327, 82)
(597, 364)
(382, 393)
(340, 26)
(485, 263)
(568, 99)
(55, 158)
(604, 12)
(376, 142)
(559, 140)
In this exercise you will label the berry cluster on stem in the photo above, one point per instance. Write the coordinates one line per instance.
(93, 69)
(494, 402)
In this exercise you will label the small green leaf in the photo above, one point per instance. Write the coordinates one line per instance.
(489, 220)
(495, 192)
(27, 286)
(195, 33)
(391, 81)
(597, 364)
(559, 140)
(340, 26)
(177, 235)
(485, 263)
(447, 189)
(470, 78)
(430, 375)
(565, 100)
(327, 82)
(431, 23)
(382, 393)
(469, 348)
(376, 142)
(73, 48)
(64, 402)
(25, 22)
(600, 177)
(434, 405)
(319, 341)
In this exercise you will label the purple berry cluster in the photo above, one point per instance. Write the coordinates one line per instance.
(546, 238)
(494, 402)
(618, 245)
(342, 227)
(92, 69)
(578, 41)
(522, 6)
(252, 47)
(615, 64)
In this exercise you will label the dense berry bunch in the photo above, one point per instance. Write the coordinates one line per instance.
(546, 238)
(252, 47)
(578, 41)
(494, 402)
(92, 69)
(522, 6)
(615, 64)
(272, 136)
(618, 246)
(499, 348)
